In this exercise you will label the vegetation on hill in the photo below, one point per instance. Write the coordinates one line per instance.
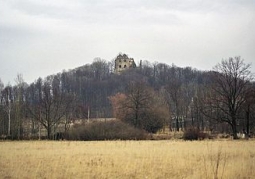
(149, 97)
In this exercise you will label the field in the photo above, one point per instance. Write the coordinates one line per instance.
(127, 159)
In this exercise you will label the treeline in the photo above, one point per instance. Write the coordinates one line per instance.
(170, 96)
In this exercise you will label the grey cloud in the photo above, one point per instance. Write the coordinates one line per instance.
(62, 34)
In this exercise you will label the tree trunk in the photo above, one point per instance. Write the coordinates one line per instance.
(177, 123)
(48, 132)
(234, 129)
(247, 122)
(9, 121)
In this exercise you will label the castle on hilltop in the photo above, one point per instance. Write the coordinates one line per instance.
(123, 62)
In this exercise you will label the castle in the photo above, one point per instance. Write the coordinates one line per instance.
(123, 62)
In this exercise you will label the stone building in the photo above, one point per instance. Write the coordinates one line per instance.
(123, 62)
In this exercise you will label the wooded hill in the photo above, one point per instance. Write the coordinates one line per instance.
(191, 98)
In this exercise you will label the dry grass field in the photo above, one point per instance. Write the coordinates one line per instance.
(127, 159)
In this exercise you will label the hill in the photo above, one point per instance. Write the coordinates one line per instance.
(84, 92)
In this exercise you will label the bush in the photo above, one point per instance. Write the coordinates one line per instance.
(109, 130)
(152, 122)
(194, 134)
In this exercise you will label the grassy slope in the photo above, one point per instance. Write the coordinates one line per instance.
(127, 159)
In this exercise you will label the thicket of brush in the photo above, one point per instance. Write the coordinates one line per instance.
(194, 134)
(109, 130)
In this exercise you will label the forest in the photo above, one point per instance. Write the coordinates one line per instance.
(150, 97)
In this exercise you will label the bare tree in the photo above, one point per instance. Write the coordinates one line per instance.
(248, 109)
(51, 106)
(7, 100)
(100, 68)
(231, 80)
(139, 107)
(174, 99)
(2, 111)
(19, 103)
(138, 101)
(1, 87)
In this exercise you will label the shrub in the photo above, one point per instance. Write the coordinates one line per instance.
(152, 121)
(109, 130)
(194, 134)
(160, 137)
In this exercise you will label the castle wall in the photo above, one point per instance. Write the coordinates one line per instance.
(122, 62)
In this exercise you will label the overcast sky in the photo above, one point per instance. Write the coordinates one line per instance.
(43, 37)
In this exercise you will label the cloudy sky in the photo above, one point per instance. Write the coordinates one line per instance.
(43, 37)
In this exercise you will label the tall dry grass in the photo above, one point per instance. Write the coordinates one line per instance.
(127, 159)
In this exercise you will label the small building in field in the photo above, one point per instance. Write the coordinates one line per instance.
(123, 62)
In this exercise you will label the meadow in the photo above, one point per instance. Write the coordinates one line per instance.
(128, 159)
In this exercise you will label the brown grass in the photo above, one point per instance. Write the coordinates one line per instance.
(127, 159)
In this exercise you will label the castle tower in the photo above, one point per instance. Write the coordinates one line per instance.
(123, 62)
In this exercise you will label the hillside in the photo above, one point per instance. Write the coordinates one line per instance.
(84, 92)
